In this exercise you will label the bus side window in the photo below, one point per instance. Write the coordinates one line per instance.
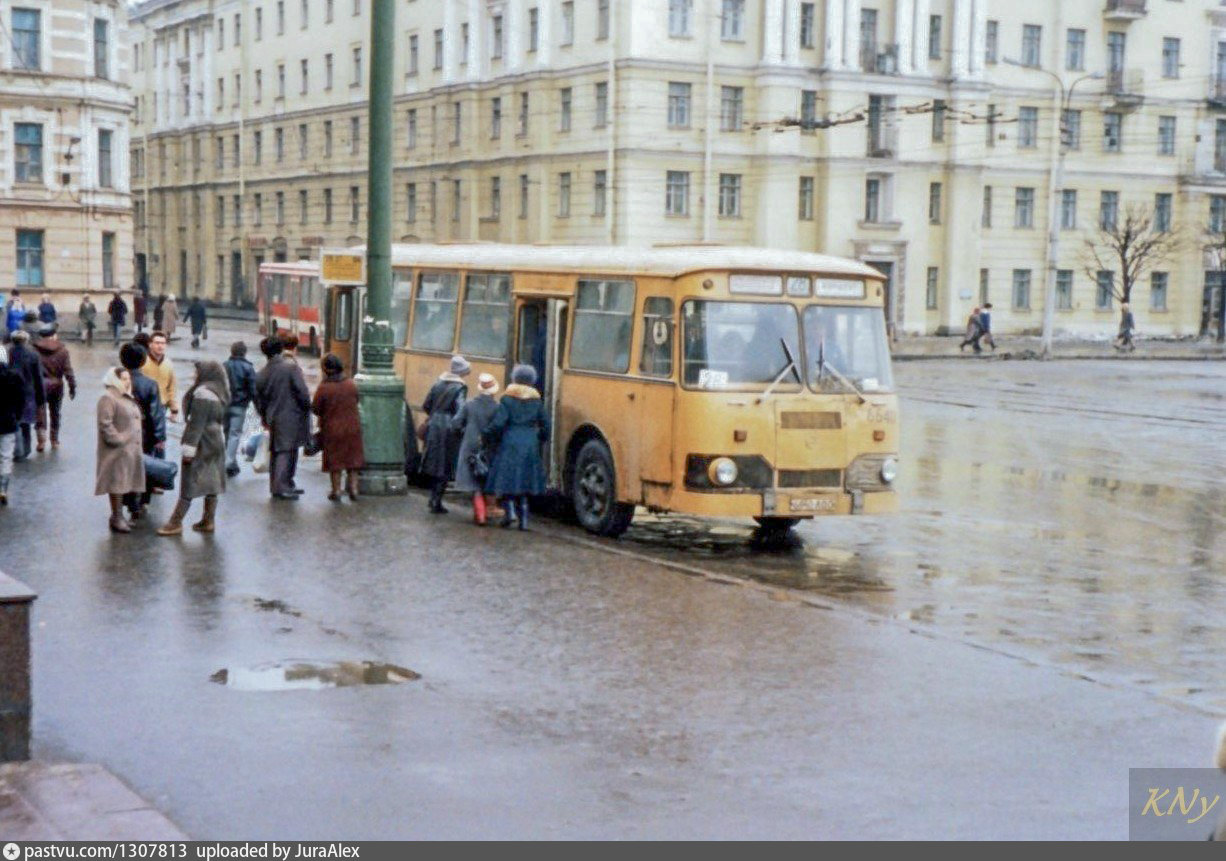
(657, 357)
(402, 296)
(434, 311)
(342, 314)
(604, 314)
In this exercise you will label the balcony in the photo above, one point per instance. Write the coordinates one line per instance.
(1123, 11)
(1125, 88)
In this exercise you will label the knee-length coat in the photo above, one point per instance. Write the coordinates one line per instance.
(121, 464)
(442, 405)
(340, 424)
(204, 442)
(518, 430)
(471, 421)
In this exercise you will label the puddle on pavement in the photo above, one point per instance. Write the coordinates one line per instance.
(312, 675)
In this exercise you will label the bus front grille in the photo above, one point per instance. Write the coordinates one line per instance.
(796, 420)
(810, 478)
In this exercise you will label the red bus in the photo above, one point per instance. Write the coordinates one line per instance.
(290, 301)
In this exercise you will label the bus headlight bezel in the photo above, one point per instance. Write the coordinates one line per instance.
(868, 473)
(723, 472)
(889, 470)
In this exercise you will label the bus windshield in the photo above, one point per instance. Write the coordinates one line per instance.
(847, 341)
(740, 345)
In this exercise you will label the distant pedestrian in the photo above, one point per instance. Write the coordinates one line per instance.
(340, 427)
(170, 316)
(203, 447)
(284, 403)
(518, 430)
(442, 405)
(161, 370)
(117, 315)
(24, 360)
(152, 419)
(240, 374)
(985, 325)
(1123, 341)
(57, 376)
(87, 317)
(12, 402)
(974, 331)
(140, 310)
(30, 324)
(472, 420)
(198, 318)
(46, 310)
(120, 467)
(14, 313)
(159, 313)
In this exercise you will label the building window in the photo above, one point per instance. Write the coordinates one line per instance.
(1103, 284)
(1032, 39)
(219, 153)
(678, 105)
(456, 198)
(1170, 58)
(730, 195)
(564, 102)
(807, 25)
(1157, 291)
(280, 81)
(1075, 50)
(534, 29)
(1064, 289)
(983, 286)
(931, 286)
(568, 23)
(938, 120)
(258, 95)
(495, 118)
(731, 108)
(985, 213)
(523, 195)
(1028, 127)
(28, 152)
(411, 202)
(238, 30)
(219, 217)
(1108, 210)
(29, 258)
(303, 148)
(327, 138)
(732, 21)
(872, 200)
(677, 193)
(1113, 124)
(1162, 212)
(355, 135)
(327, 206)
(304, 13)
(105, 161)
(413, 54)
(238, 211)
(355, 204)
(329, 10)
(934, 37)
(259, 24)
(102, 66)
(280, 17)
(934, 203)
(602, 104)
(1068, 209)
(464, 43)
(279, 209)
(357, 8)
(1021, 289)
(1023, 207)
(808, 109)
(805, 204)
(564, 195)
(328, 71)
(868, 40)
(496, 37)
(991, 42)
(495, 197)
(600, 191)
(990, 125)
(257, 209)
(27, 39)
(457, 118)
(679, 17)
(1217, 213)
(602, 19)
(108, 261)
(304, 72)
(438, 49)
(1166, 135)
(221, 93)
(357, 68)
(1070, 129)
(1219, 146)
(278, 144)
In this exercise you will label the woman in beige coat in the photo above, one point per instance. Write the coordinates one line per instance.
(170, 316)
(121, 465)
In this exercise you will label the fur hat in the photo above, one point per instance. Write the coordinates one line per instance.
(487, 384)
(132, 356)
(20, 336)
(523, 375)
(460, 366)
(46, 330)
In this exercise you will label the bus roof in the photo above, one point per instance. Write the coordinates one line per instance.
(671, 261)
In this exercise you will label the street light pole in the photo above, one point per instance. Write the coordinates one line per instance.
(381, 392)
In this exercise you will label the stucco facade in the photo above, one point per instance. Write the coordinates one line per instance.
(854, 128)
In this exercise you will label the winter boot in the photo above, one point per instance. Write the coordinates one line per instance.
(479, 509)
(508, 513)
(523, 514)
(174, 526)
(206, 523)
(42, 439)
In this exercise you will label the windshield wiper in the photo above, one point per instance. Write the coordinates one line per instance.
(823, 366)
(790, 366)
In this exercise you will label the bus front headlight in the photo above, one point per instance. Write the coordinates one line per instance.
(889, 470)
(723, 471)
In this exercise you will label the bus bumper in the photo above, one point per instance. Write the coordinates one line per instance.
(784, 503)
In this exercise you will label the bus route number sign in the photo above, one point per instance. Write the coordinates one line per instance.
(342, 268)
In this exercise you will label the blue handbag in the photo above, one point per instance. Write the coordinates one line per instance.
(160, 473)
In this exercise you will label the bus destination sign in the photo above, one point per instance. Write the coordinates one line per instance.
(342, 267)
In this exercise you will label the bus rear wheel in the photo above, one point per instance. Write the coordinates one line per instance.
(594, 492)
(777, 525)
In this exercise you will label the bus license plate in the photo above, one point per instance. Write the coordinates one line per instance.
(823, 503)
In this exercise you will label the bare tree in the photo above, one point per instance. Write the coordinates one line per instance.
(1130, 246)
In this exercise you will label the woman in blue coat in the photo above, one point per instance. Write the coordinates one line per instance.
(517, 431)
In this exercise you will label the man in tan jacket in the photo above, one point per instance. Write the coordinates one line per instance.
(159, 369)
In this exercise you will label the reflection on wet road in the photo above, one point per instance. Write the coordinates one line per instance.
(1071, 512)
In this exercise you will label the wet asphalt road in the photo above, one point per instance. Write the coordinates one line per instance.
(1043, 614)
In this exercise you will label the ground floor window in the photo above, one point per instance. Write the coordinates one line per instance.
(1064, 289)
(108, 261)
(1021, 289)
(1157, 291)
(930, 293)
(1102, 292)
(30, 258)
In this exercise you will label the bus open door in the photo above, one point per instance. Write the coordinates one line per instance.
(540, 341)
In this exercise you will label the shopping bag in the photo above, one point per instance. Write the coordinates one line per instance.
(160, 473)
(262, 454)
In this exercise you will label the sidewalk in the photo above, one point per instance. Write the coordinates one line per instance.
(46, 801)
(910, 347)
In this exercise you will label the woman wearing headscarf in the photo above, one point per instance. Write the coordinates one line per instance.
(203, 447)
(518, 430)
(340, 428)
(442, 405)
(121, 466)
(470, 422)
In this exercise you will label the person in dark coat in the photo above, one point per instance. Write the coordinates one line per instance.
(87, 316)
(25, 362)
(340, 427)
(198, 317)
(470, 422)
(152, 418)
(140, 310)
(1123, 340)
(241, 375)
(57, 375)
(284, 404)
(46, 310)
(117, 313)
(442, 405)
(203, 447)
(12, 402)
(518, 430)
(159, 313)
(974, 331)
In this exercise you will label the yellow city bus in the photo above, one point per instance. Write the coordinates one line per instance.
(706, 380)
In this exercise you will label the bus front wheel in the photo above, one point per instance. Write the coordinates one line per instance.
(777, 525)
(594, 492)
